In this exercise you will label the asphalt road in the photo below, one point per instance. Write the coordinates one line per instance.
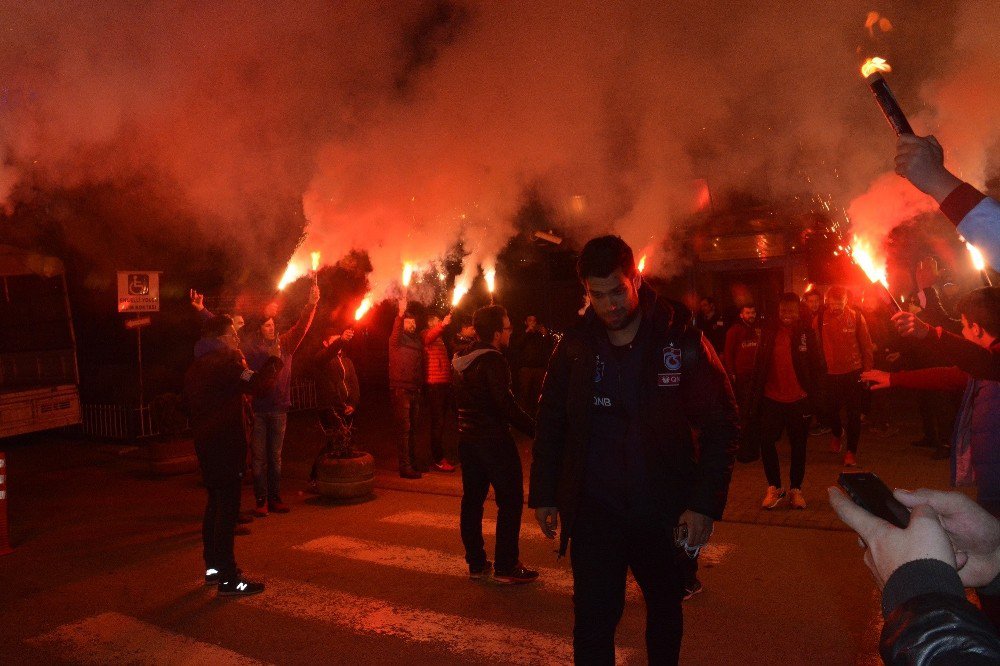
(107, 569)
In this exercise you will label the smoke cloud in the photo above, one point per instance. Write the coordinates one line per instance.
(403, 128)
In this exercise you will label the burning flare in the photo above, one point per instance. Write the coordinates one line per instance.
(977, 257)
(408, 270)
(873, 65)
(490, 275)
(315, 260)
(366, 305)
(864, 257)
(292, 273)
(641, 266)
(460, 291)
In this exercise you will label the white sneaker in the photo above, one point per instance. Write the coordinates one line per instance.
(796, 498)
(772, 498)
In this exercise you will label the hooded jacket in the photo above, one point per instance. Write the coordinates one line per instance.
(684, 389)
(406, 358)
(486, 406)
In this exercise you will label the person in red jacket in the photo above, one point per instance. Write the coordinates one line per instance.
(740, 357)
(437, 367)
(846, 352)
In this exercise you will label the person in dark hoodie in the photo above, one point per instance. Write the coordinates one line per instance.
(782, 394)
(214, 387)
(406, 377)
(486, 410)
(270, 410)
(630, 394)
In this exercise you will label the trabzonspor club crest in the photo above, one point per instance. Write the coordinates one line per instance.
(598, 370)
(672, 358)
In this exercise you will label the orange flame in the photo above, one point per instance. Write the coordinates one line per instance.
(641, 266)
(864, 257)
(366, 305)
(490, 275)
(315, 260)
(873, 65)
(292, 273)
(977, 257)
(874, 19)
(460, 291)
(408, 270)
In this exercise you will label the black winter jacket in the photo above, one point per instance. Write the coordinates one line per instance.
(486, 406)
(685, 390)
(214, 387)
(928, 620)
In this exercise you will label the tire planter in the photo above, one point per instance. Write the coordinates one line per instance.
(173, 456)
(346, 479)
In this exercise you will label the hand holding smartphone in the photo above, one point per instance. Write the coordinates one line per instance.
(871, 494)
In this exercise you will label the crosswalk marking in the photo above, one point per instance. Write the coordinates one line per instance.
(479, 639)
(711, 555)
(430, 561)
(113, 638)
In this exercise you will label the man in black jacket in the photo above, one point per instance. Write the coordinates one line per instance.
(486, 410)
(214, 387)
(616, 457)
(783, 390)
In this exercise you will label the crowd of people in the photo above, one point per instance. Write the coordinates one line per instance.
(638, 414)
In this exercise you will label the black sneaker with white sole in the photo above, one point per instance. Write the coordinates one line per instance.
(481, 571)
(518, 576)
(239, 586)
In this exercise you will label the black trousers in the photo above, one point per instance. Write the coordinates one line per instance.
(219, 525)
(496, 463)
(405, 412)
(438, 400)
(775, 418)
(845, 392)
(604, 545)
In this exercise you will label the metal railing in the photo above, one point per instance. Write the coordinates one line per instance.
(117, 421)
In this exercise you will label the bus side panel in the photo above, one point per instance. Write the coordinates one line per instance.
(39, 409)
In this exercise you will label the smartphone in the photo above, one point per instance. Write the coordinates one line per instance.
(871, 494)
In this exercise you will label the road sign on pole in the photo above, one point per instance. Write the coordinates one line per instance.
(138, 291)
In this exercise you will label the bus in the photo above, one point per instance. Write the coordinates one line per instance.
(39, 376)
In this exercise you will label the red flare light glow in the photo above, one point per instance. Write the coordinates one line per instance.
(490, 275)
(408, 270)
(460, 291)
(979, 262)
(292, 273)
(366, 305)
(641, 266)
(864, 257)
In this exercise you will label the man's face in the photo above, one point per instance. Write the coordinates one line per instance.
(410, 325)
(836, 305)
(749, 315)
(615, 299)
(706, 307)
(813, 301)
(530, 323)
(231, 338)
(788, 313)
(238, 322)
(267, 329)
(433, 321)
(505, 333)
(974, 333)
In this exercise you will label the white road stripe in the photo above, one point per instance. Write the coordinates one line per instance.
(469, 637)
(113, 638)
(430, 561)
(711, 555)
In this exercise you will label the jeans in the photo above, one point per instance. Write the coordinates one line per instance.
(405, 411)
(484, 463)
(845, 392)
(604, 545)
(776, 417)
(530, 383)
(438, 399)
(265, 443)
(219, 524)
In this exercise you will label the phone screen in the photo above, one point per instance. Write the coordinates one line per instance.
(871, 494)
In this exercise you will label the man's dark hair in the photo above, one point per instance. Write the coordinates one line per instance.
(789, 297)
(217, 326)
(603, 255)
(747, 305)
(982, 306)
(487, 321)
(707, 299)
(837, 293)
(815, 291)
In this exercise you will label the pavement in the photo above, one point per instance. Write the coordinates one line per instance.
(106, 568)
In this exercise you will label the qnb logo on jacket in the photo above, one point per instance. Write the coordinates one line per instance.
(602, 401)
(803, 344)
(672, 362)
